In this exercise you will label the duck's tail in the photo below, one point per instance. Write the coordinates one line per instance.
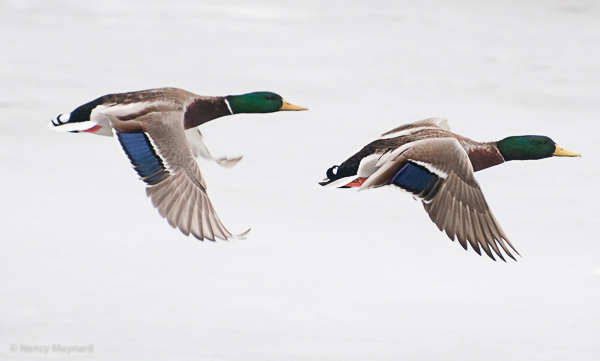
(62, 124)
(79, 120)
(341, 177)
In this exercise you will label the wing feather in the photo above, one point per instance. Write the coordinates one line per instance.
(471, 229)
(180, 207)
(196, 219)
(208, 232)
(184, 219)
(483, 235)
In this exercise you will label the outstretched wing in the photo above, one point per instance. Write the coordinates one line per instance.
(439, 173)
(156, 145)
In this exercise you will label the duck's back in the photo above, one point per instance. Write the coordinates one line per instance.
(390, 141)
(178, 97)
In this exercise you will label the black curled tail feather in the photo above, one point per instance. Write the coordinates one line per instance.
(339, 171)
(56, 122)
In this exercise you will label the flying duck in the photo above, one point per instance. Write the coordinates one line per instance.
(158, 131)
(436, 167)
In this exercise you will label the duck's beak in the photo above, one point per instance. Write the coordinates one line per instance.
(559, 152)
(289, 106)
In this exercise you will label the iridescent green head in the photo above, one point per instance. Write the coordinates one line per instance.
(259, 102)
(525, 147)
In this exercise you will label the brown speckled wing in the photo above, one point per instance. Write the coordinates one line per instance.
(455, 203)
(176, 187)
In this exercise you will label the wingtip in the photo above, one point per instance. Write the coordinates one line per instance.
(235, 237)
(228, 162)
(242, 235)
(490, 256)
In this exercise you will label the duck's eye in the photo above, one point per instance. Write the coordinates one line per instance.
(270, 97)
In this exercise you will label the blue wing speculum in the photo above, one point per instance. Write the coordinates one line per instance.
(416, 179)
(140, 151)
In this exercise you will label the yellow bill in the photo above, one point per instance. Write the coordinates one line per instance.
(289, 106)
(559, 152)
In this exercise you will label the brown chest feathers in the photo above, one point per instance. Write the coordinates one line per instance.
(203, 110)
(482, 155)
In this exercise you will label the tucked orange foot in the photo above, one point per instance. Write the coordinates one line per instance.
(93, 129)
(357, 182)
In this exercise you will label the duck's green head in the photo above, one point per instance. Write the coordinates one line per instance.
(259, 102)
(525, 147)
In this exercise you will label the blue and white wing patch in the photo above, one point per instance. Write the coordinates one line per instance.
(142, 155)
(414, 178)
(418, 178)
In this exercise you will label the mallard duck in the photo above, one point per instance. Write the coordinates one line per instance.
(436, 167)
(157, 130)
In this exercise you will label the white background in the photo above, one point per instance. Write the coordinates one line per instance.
(324, 274)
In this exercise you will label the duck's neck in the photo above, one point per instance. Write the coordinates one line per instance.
(483, 155)
(205, 109)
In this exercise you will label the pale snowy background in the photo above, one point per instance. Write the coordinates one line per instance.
(324, 274)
